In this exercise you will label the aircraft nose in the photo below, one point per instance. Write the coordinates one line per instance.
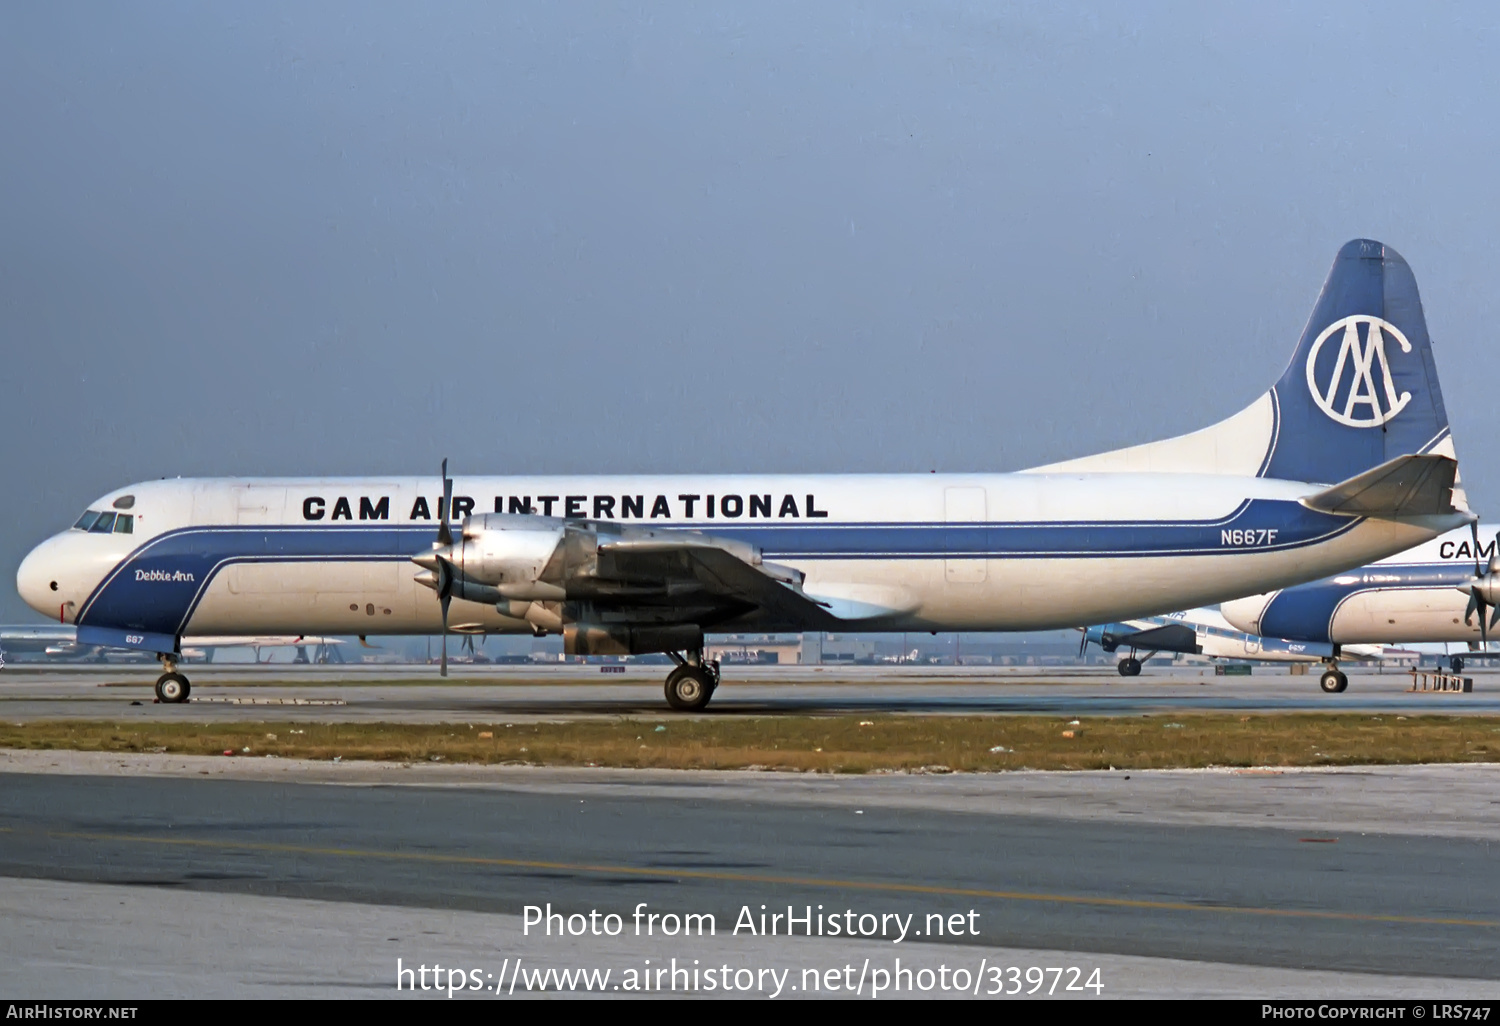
(1245, 613)
(38, 579)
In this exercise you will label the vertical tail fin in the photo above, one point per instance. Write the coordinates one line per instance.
(1362, 387)
(1361, 390)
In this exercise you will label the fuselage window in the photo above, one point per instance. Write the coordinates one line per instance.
(104, 524)
(124, 523)
(86, 521)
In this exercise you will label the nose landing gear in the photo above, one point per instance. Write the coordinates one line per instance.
(172, 687)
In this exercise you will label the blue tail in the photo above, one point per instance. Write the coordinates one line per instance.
(1362, 387)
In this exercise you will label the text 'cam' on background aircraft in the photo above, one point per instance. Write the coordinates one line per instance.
(1346, 460)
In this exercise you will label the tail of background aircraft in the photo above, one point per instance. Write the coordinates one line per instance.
(1361, 390)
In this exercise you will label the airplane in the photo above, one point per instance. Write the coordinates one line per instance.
(1347, 459)
(1205, 631)
(60, 641)
(1444, 590)
(324, 650)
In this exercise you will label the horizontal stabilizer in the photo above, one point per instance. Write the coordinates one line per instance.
(1407, 486)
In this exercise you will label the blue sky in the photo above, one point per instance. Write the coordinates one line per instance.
(355, 238)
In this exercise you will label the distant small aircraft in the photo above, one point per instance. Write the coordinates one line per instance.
(1206, 632)
(60, 641)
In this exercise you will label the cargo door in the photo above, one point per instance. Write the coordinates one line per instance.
(256, 570)
(965, 535)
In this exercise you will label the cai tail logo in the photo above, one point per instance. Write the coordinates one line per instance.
(1359, 391)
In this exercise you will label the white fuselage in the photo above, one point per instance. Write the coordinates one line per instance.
(992, 552)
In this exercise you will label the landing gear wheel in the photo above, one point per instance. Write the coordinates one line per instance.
(689, 688)
(1457, 664)
(172, 688)
(1129, 667)
(1333, 682)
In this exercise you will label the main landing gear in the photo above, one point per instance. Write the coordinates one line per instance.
(1130, 666)
(172, 687)
(692, 682)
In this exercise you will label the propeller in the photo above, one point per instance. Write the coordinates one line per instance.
(1482, 590)
(1083, 642)
(438, 572)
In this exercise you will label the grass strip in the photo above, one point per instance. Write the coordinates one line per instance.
(837, 744)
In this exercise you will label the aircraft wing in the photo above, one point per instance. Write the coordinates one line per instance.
(1144, 635)
(1172, 637)
(699, 568)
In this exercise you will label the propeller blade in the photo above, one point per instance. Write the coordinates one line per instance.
(437, 573)
(443, 666)
(445, 511)
(1474, 530)
(1083, 642)
(1469, 611)
(1494, 572)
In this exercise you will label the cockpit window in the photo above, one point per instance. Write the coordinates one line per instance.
(95, 522)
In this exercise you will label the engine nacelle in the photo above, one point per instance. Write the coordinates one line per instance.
(540, 615)
(618, 639)
(506, 550)
(1488, 588)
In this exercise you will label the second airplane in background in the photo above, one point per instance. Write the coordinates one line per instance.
(1206, 632)
(1445, 590)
